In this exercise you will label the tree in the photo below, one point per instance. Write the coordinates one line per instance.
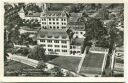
(57, 72)
(103, 14)
(37, 53)
(94, 31)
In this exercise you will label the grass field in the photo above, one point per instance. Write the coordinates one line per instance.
(68, 62)
(92, 63)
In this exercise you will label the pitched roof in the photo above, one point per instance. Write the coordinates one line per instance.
(79, 26)
(74, 17)
(21, 11)
(53, 33)
(78, 41)
(76, 23)
(54, 13)
(33, 14)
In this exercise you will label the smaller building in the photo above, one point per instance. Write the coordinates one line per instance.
(74, 17)
(30, 16)
(78, 28)
(75, 46)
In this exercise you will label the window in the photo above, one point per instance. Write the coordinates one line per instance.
(70, 47)
(76, 32)
(63, 27)
(44, 19)
(43, 45)
(81, 32)
(54, 27)
(63, 46)
(57, 23)
(74, 47)
(57, 27)
(61, 19)
(57, 46)
(49, 22)
(78, 51)
(57, 19)
(50, 49)
(64, 42)
(53, 22)
(49, 45)
(53, 19)
(49, 41)
(42, 40)
(56, 41)
(49, 19)
(62, 23)
(57, 50)
(51, 27)
(64, 50)
(64, 19)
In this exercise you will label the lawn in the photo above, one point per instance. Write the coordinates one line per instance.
(92, 63)
(13, 68)
(68, 62)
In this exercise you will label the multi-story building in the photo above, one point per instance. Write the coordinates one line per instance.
(54, 41)
(54, 20)
(78, 28)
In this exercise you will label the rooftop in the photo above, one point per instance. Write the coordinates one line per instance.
(36, 14)
(78, 41)
(74, 16)
(54, 13)
(77, 26)
(53, 33)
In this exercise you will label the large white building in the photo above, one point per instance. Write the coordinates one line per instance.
(54, 20)
(47, 19)
(54, 41)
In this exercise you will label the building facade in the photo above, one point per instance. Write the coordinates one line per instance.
(53, 20)
(54, 41)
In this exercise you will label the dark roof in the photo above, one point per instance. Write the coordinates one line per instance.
(74, 17)
(51, 33)
(79, 26)
(76, 14)
(78, 41)
(33, 14)
(76, 23)
(54, 13)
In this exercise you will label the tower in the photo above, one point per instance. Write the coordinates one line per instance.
(21, 13)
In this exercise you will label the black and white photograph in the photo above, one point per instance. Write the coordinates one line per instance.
(63, 39)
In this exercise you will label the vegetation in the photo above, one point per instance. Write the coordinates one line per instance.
(37, 53)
